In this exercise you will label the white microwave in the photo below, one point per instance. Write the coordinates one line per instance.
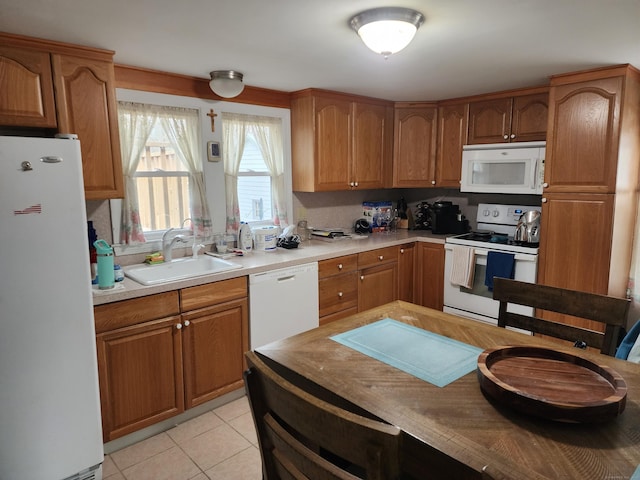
(503, 168)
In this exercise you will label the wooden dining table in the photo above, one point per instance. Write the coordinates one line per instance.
(456, 431)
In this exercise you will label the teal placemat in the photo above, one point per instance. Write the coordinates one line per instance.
(431, 357)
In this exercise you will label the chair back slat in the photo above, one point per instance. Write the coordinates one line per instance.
(295, 427)
(610, 311)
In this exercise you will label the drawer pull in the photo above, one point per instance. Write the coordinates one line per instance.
(339, 266)
(380, 258)
(340, 294)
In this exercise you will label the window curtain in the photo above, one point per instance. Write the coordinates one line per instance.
(182, 126)
(268, 133)
(135, 123)
(234, 127)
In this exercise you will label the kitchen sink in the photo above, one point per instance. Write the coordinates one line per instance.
(178, 269)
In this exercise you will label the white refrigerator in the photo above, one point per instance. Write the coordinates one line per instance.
(50, 426)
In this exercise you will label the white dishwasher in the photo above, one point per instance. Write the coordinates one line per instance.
(282, 303)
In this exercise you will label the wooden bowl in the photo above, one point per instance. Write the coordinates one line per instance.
(550, 384)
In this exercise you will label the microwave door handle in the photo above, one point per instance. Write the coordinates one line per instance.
(534, 175)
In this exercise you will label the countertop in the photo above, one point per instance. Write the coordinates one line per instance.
(257, 262)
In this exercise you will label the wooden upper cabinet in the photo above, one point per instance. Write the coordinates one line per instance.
(339, 142)
(26, 96)
(452, 135)
(582, 148)
(372, 145)
(69, 88)
(510, 119)
(87, 107)
(414, 154)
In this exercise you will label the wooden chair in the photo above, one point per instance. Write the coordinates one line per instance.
(293, 426)
(610, 311)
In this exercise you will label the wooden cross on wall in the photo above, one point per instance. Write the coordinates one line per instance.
(212, 114)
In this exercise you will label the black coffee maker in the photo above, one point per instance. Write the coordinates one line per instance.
(446, 218)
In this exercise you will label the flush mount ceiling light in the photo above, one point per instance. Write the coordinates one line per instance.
(387, 30)
(226, 83)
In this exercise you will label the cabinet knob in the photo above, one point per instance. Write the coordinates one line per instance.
(356, 184)
(545, 185)
(361, 277)
(339, 266)
(506, 137)
(402, 250)
(340, 294)
(544, 200)
(380, 258)
(179, 326)
(513, 135)
(433, 182)
(187, 323)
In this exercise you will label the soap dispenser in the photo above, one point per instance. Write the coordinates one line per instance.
(106, 277)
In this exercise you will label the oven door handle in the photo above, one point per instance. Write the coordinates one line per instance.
(520, 257)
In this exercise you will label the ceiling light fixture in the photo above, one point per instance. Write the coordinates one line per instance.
(226, 83)
(387, 30)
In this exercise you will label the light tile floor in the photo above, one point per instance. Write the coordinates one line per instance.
(218, 445)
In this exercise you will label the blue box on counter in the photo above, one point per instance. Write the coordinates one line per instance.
(378, 214)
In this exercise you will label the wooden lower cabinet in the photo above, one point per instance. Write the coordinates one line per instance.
(214, 342)
(430, 275)
(378, 277)
(140, 370)
(406, 272)
(337, 288)
(156, 359)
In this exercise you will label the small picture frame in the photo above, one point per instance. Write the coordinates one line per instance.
(213, 151)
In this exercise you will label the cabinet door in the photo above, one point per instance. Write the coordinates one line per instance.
(582, 145)
(214, 339)
(406, 270)
(414, 157)
(378, 285)
(529, 118)
(452, 135)
(26, 96)
(140, 372)
(333, 144)
(575, 247)
(490, 121)
(430, 275)
(86, 102)
(372, 133)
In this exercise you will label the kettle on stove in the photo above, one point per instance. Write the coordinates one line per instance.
(528, 229)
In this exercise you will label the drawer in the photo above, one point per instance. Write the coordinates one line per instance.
(201, 296)
(338, 265)
(115, 315)
(377, 257)
(338, 292)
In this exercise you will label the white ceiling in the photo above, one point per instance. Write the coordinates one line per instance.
(465, 47)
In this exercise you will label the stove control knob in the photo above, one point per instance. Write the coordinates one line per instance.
(486, 213)
(496, 213)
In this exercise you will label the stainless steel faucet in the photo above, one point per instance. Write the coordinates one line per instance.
(167, 244)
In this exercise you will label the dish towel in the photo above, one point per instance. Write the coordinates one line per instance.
(499, 264)
(463, 268)
(628, 342)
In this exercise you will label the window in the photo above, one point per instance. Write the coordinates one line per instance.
(253, 158)
(163, 172)
(254, 184)
(162, 182)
